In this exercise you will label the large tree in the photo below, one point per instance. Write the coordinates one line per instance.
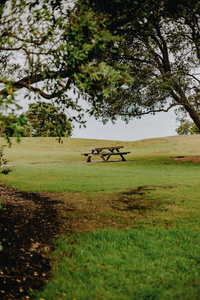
(162, 49)
(53, 47)
(89, 46)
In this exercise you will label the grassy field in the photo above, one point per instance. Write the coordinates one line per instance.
(134, 226)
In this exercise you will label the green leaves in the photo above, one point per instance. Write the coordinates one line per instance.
(160, 46)
(45, 120)
(1, 200)
(12, 126)
(60, 48)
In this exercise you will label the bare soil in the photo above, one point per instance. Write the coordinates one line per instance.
(195, 159)
(28, 225)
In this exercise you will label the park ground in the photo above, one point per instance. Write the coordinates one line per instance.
(55, 202)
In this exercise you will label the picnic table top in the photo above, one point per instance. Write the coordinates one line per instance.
(107, 147)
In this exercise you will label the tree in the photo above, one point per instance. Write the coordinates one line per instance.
(161, 48)
(53, 47)
(186, 127)
(47, 120)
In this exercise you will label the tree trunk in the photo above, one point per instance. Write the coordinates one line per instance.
(193, 114)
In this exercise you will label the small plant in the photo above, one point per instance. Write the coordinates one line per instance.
(3, 162)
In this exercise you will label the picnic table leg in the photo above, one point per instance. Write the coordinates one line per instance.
(123, 159)
(107, 157)
(89, 158)
(103, 157)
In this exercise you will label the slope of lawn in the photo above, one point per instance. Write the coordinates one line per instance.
(134, 226)
(41, 164)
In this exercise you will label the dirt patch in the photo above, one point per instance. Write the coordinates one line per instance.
(137, 200)
(195, 159)
(28, 224)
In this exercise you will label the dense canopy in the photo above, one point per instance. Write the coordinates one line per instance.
(162, 49)
(50, 48)
(125, 57)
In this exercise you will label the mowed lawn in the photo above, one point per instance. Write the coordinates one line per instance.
(141, 239)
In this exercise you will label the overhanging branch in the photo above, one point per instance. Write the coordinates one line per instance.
(150, 111)
(43, 94)
(28, 80)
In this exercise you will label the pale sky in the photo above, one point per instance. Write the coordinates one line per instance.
(149, 126)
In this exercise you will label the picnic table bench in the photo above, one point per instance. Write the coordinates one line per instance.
(105, 155)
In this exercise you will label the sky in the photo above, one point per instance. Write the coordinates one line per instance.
(149, 126)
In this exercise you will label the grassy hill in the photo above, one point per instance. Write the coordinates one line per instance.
(42, 164)
(134, 225)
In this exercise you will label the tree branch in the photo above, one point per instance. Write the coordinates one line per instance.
(151, 111)
(28, 80)
(192, 75)
(42, 93)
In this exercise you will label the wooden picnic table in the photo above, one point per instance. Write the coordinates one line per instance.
(105, 155)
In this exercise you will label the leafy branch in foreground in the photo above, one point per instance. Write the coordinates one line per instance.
(51, 49)
(125, 58)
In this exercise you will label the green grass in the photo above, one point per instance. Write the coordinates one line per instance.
(152, 263)
(157, 257)
(44, 165)
(79, 177)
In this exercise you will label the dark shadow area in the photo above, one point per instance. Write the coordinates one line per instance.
(138, 199)
(28, 226)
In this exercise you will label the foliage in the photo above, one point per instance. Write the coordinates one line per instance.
(3, 162)
(59, 46)
(161, 47)
(187, 127)
(126, 58)
(46, 120)
(1, 200)
(12, 125)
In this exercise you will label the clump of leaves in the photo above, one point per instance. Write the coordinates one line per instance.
(3, 162)
(187, 127)
(13, 126)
